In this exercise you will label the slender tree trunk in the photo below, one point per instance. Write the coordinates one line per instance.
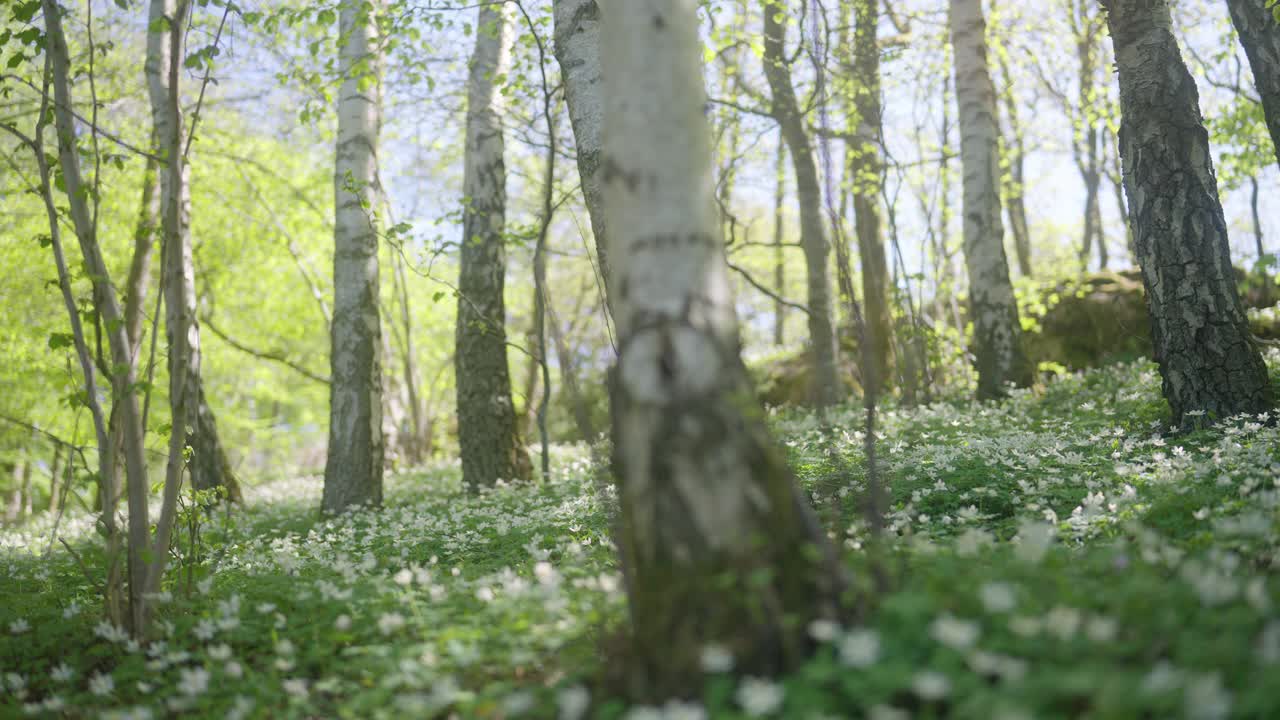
(1115, 176)
(941, 256)
(717, 542)
(847, 293)
(997, 334)
(1015, 154)
(779, 237)
(416, 447)
(354, 464)
(193, 420)
(786, 110)
(577, 49)
(1092, 212)
(145, 233)
(1255, 21)
(144, 238)
(486, 417)
(1086, 26)
(13, 505)
(533, 371)
(394, 410)
(1257, 219)
(55, 467)
(569, 376)
(106, 302)
(867, 170)
(1209, 363)
(24, 489)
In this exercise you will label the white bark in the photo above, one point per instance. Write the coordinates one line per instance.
(353, 468)
(698, 476)
(993, 311)
(577, 48)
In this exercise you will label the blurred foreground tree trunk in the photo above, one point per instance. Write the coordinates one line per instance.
(717, 542)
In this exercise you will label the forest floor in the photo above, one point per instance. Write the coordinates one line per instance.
(1055, 555)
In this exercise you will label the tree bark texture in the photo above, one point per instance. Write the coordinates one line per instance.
(193, 421)
(779, 237)
(1209, 363)
(577, 50)
(1015, 153)
(106, 302)
(997, 334)
(487, 432)
(354, 464)
(1259, 32)
(717, 542)
(786, 110)
(867, 171)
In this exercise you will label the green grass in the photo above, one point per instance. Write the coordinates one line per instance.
(1059, 554)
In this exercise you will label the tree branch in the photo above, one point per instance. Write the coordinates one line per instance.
(771, 294)
(261, 354)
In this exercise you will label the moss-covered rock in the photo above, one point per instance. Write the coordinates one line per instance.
(1097, 319)
(1086, 322)
(1102, 317)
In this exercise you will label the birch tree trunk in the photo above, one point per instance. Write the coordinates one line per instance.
(486, 416)
(1210, 366)
(718, 544)
(415, 447)
(1015, 154)
(577, 49)
(997, 334)
(124, 379)
(867, 171)
(193, 422)
(144, 237)
(1259, 31)
(779, 237)
(353, 465)
(786, 110)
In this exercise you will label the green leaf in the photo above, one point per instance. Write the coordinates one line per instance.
(30, 36)
(25, 11)
(57, 341)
